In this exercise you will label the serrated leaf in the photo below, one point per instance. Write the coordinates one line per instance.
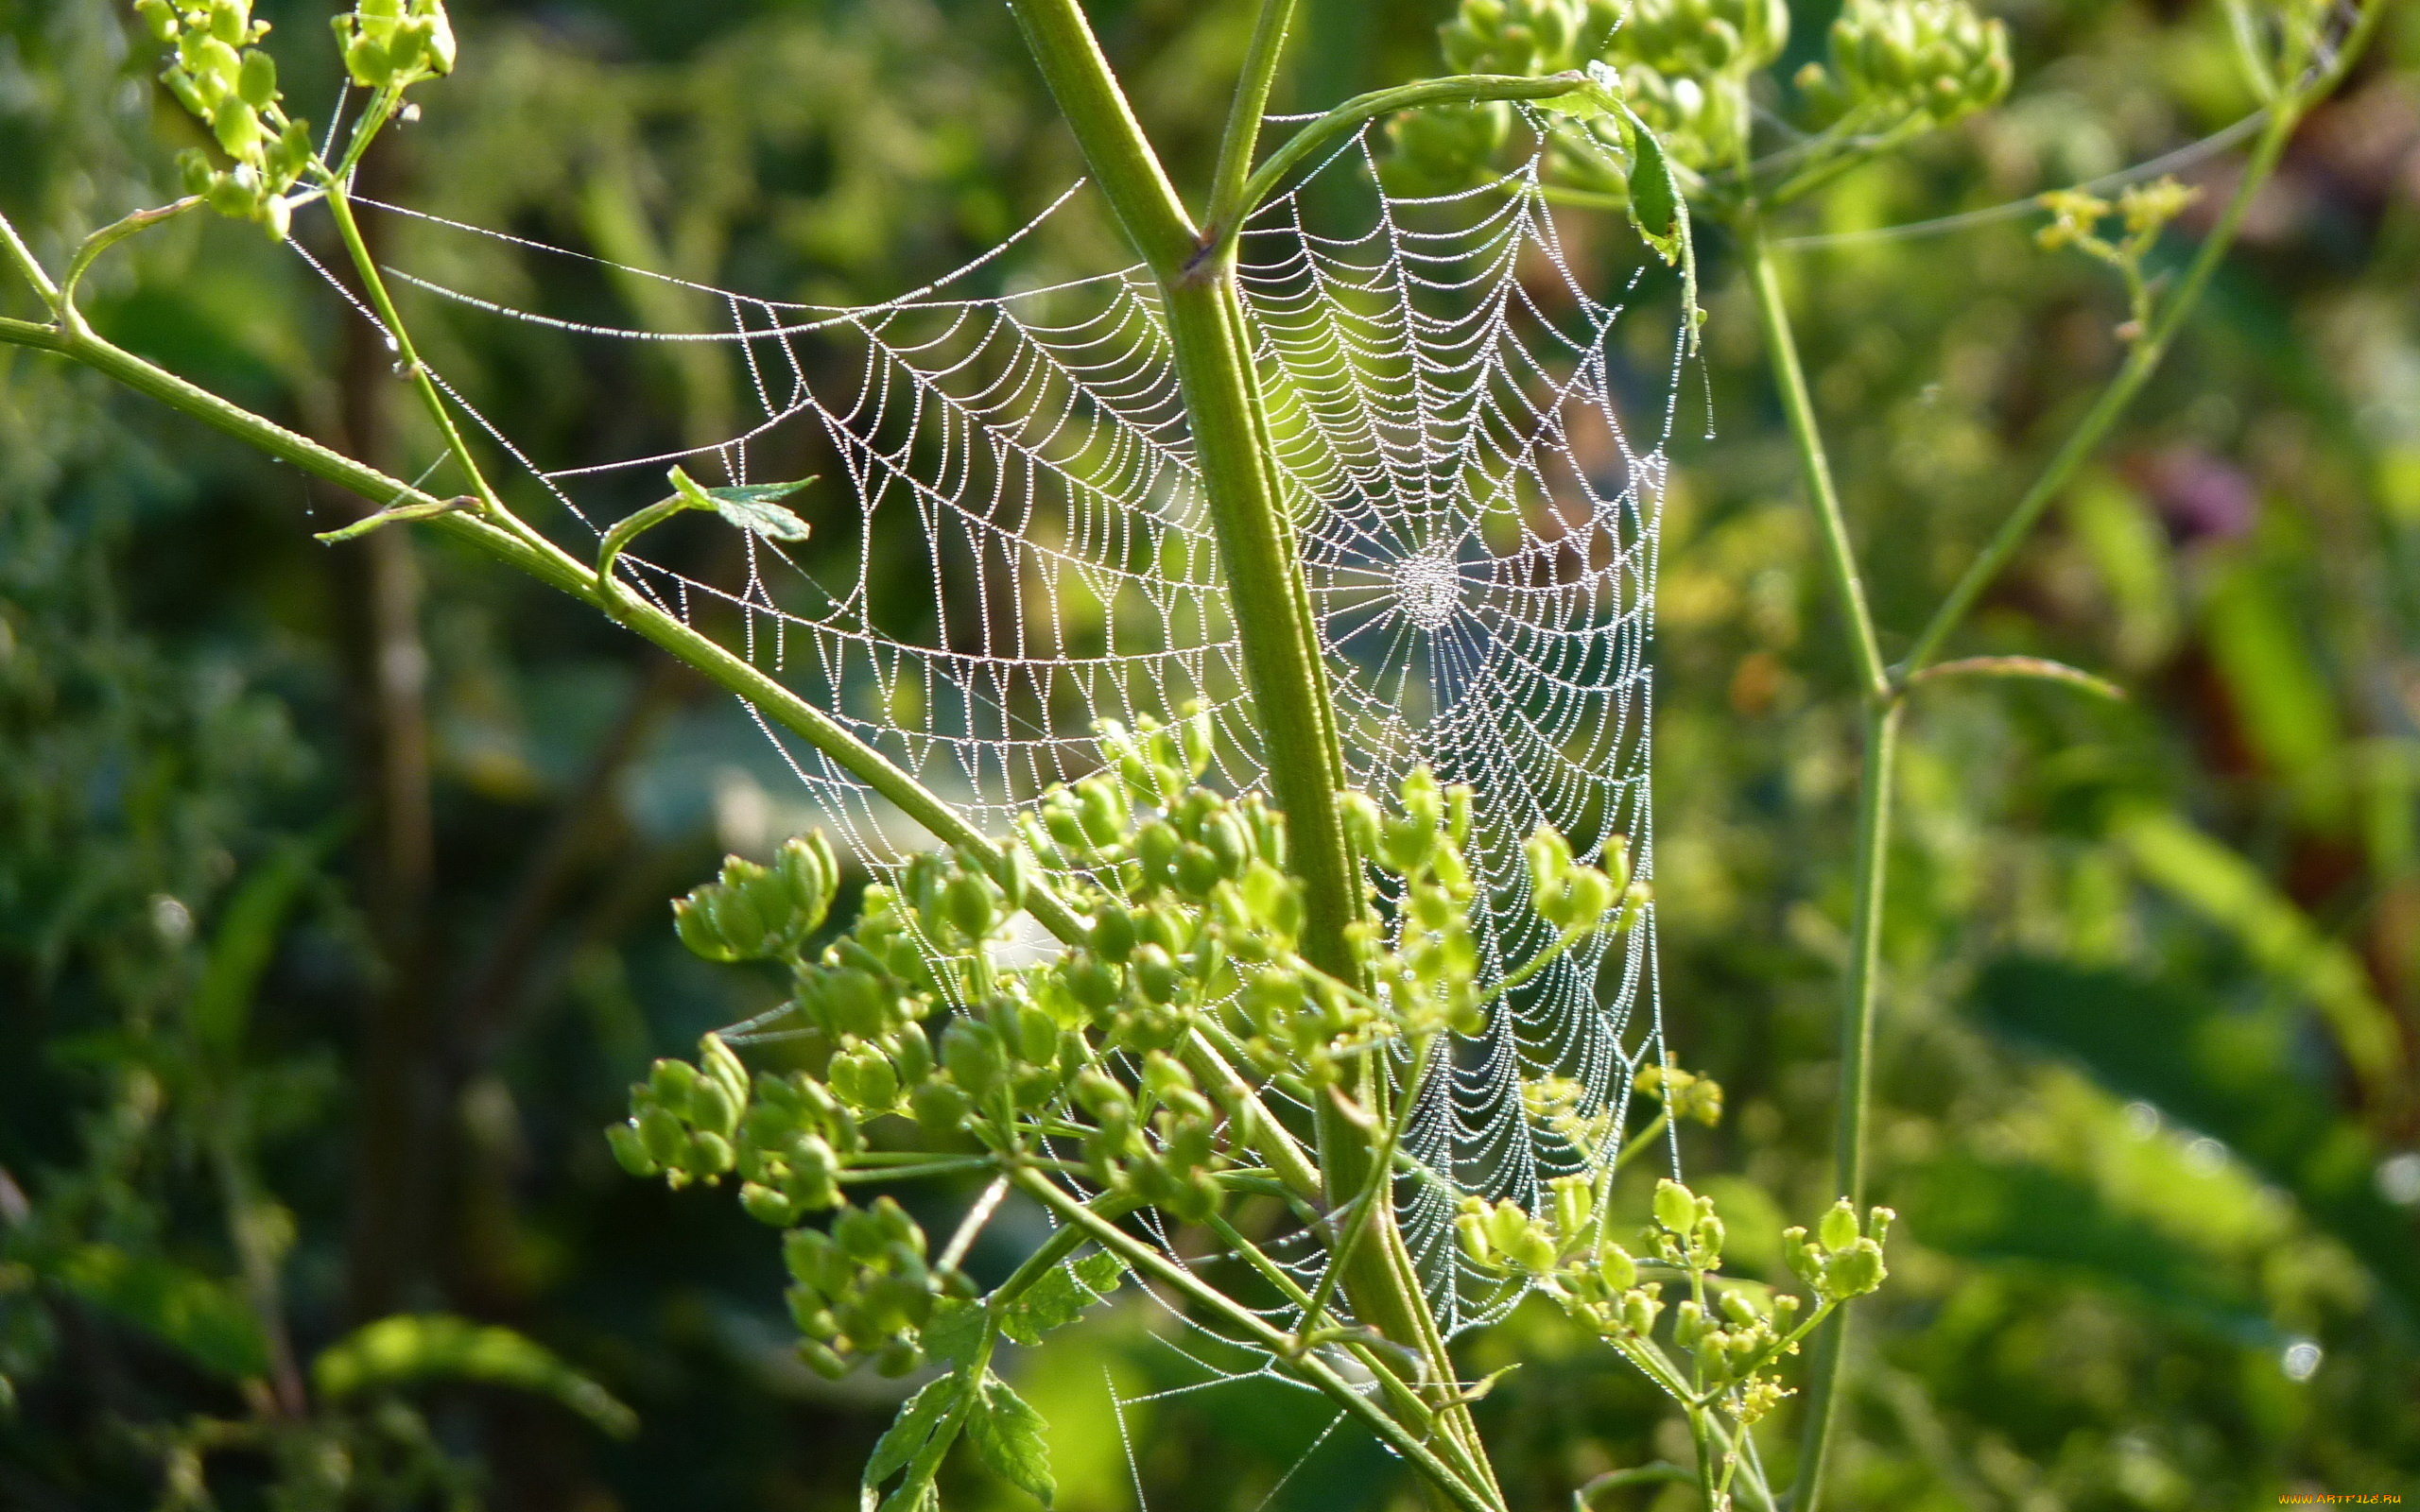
(1061, 1297)
(913, 1429)
(1009, 1435)
(954, 1331)
(749, 506)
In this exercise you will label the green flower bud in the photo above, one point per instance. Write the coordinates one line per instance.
(1575, 1199)
(237, 127)
(1855, 1271)
(659, 1130)
(631, 1151)
(1615, 1266)
(940, 1107)
(822, 1360)
(975, 1056)
(864, 1079)
(1113, 932)
(711, 1108)
(159, 19)
(767, 1205)
(710, 1155)
(1197, 869)
(1676, 1206)
(1157, 845)
(1839, 1228)
(256, 81)
(1102, 811)
(1155, 973)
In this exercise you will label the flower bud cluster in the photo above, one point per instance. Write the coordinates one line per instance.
(684, 1118)
(752, 913)
(1842, 1261)
(1686, 1093)
(1575, 898)
(1171, 1170)
(230, 85)
(864, 1291)
(1896, 62)
(1430, 979)
(1566, 1249)
(392, 44)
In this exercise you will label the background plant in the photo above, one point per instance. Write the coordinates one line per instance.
(2221, 914)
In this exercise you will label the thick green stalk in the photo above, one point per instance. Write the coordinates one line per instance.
(1882, 704)
(1278, 637)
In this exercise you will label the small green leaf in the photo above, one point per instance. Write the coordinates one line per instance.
(749, 506)
(1662, 214)
(1009, 1435)
(913, 1429)
(1061, 1297)
(201, 1318)
(407, 1347)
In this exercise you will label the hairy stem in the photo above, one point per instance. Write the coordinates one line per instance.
(1251, 101)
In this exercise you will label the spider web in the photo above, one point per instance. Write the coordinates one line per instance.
(1013, 543)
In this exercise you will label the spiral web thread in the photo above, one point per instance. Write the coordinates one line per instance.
(1478, 529)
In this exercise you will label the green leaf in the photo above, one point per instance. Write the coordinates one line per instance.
(1009, 1435)
(409, 1347)
(204, 1320)
(2232, 894)
(953, 1333)
(914, 1428)
(1661, 213)
(246, 936)
(749, 506)
(1061, 1297)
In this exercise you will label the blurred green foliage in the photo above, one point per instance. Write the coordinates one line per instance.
(2146, 1101)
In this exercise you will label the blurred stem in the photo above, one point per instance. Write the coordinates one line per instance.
(376, 590)
(256, 1257)
(1814, 465)
(1882, 704)
(2095, 426)
(2286, 112)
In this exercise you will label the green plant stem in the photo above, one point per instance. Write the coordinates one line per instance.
(1856, 1054)
(1144, 1259)
(373, 284)
(1252, 101)
(1882, 709)
(1316, 136)
(1814, 465)
(108, 237)
(1279, 640)
(2087, 438)
(558, 569)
